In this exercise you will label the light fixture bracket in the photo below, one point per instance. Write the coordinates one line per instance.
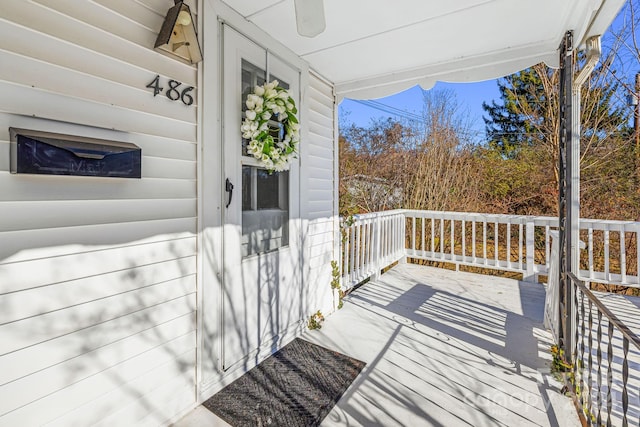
(178, 37)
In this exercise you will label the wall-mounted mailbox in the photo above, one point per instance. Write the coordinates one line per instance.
(35, 152)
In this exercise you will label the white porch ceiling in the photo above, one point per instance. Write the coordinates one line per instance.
(372, 48)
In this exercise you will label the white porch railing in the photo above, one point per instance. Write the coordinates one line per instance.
(612, 254)
(608, 391)
(513, 243)
(371, 242)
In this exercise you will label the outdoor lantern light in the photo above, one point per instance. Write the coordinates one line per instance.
(178, 35)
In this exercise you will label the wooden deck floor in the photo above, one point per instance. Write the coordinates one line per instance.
(447, 349)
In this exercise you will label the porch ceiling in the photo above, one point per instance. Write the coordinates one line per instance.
(372, 48)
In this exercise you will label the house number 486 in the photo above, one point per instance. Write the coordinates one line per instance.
(174, 91)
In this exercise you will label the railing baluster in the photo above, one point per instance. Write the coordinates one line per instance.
(423, 237)
(391, 227)
(364, 267)
(401, 232)
(413, 234)
(352, 231)
(433, 235)
(388, 227)
(375, 245)
(580, 363)
(591, 273)
(388, 241)
(365, 249)
(625, 380)
(520, 240)
(599, 372)
(590, 367)
(345, 262)
(484, 241)
(508, 244)
(378, 263)
(366, 259)
(382, 223)
(606, 255)
(609, 372)
(453, 240)
(401, 225)
(495, 244)
(576, 289)
(473, 241)
(370, 269)
(464, 240)
(388, 247)
(358, 254)
(442, 237)
(547, 247)
(530, 256)
(623, 256)
(400, 236)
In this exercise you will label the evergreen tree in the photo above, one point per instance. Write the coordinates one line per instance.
(527, 112)
(523, 126)
(517, 118)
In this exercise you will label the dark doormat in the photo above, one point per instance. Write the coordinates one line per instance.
(297, 386)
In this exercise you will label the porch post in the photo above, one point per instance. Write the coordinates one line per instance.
(565, 193)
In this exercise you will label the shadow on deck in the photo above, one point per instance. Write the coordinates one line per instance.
(446, 348)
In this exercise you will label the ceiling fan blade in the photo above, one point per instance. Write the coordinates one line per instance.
(310, 17)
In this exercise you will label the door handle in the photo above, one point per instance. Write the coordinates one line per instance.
(228, 186)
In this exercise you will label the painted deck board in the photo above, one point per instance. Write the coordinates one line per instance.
(446, 348)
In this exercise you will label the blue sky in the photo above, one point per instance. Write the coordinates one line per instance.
(469, 97)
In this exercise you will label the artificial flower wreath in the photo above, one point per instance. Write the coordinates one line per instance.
(273, 147)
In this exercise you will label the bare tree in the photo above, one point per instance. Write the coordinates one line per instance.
(426, 164)
(439, 169)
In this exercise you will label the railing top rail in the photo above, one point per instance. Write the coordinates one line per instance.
(481, 215)
(609, 221)
(626, 332)
(599, 224)
(379, 214)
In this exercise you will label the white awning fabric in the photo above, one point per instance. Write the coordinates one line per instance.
(373, 48)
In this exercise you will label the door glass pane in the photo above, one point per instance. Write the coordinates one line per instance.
(265, 196)
(265, 211)
(252, 76)
(272, 190)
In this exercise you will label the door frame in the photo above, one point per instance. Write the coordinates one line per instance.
(254, 287)
(212, 14)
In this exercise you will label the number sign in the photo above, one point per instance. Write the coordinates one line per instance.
(174, 92)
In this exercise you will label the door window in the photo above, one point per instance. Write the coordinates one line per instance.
(265, 196)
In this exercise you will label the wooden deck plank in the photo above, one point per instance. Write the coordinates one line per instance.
(446, 348)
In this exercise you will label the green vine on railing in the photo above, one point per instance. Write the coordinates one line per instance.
(559, 365)
(346, 223)
(335, 283)
(564, 372)
(315, 320)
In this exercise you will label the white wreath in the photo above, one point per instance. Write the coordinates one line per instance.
(271, 102)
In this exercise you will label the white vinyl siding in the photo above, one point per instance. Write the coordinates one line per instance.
(97, 275)
(319, 201)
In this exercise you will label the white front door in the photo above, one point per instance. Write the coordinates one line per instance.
(261, 230)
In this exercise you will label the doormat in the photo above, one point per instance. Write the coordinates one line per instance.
(297, 386)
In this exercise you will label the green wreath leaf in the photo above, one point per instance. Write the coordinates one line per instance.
(271, 153)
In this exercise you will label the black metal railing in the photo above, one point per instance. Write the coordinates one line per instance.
(602, 362)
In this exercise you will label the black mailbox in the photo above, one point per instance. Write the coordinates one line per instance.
(48, 153)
